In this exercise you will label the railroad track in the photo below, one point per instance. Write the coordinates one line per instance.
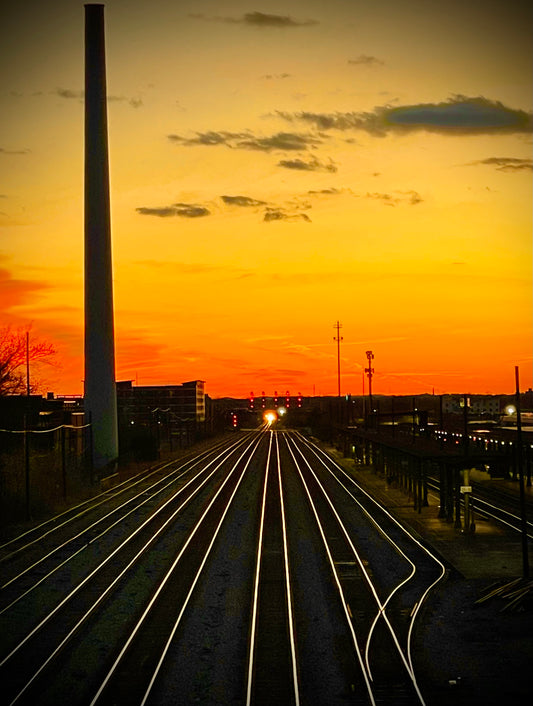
(255, 573)
(95, 598)
(494, 504)
(382, 574)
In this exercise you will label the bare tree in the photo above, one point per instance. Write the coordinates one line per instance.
(14, 356)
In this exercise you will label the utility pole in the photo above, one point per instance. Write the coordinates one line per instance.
(338, 338)
(28, 389)
(523, 514)
(470, 525)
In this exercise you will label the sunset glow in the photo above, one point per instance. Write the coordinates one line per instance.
(274, 169)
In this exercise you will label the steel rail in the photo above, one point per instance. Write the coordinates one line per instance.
(290, 611)
(480, 509)
(102, 595)
(176, 624)
(169, 573)
(108, 529)
(93, 573)
(381, 606)
(414, 614)
(396, 547)
(165, 485)
(255, 599)
(337, 580)
(101, 498)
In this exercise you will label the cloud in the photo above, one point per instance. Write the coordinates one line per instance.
(313, 165)
(209, 138)
(460, 115)
(242, 201)
(276, 213)
(162, 211)
(412, 198)
(275, 76)
(4, 151)
(185, 210)
(257, 19)
(189, 210)
(289, 211)
(134, 102)
(364, 60)
(71, 94)
(283, 141)
(330, 192)
(507, 164)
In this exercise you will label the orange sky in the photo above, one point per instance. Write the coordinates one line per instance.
(276, 168)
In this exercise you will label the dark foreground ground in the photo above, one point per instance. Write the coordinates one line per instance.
(467, 653)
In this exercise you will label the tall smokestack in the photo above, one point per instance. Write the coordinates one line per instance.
(100, 389)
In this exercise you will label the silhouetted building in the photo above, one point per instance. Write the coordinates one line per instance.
(144, 403)
(38, 412)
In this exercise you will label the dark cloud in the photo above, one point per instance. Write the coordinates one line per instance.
(364, 60)
(412, 198)
(460, 115)
(273, 76)
(209, 138)
(332, 191)
(280, 214)
(4, 151)
(185, 210)
(313, 165)
(134, 102)
(189, 210)
(162, 211)
(386, 199)
(71, 94)
(507, 164)
(242, 201)
(258, 19)
(284, 141)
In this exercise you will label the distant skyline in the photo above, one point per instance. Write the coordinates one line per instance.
(277, 167)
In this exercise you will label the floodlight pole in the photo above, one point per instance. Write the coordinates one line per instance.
(369, 371)
(338, 338)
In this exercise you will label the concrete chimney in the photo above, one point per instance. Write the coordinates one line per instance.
(100, 390)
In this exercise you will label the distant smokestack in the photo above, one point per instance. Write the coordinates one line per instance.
(100, 390)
